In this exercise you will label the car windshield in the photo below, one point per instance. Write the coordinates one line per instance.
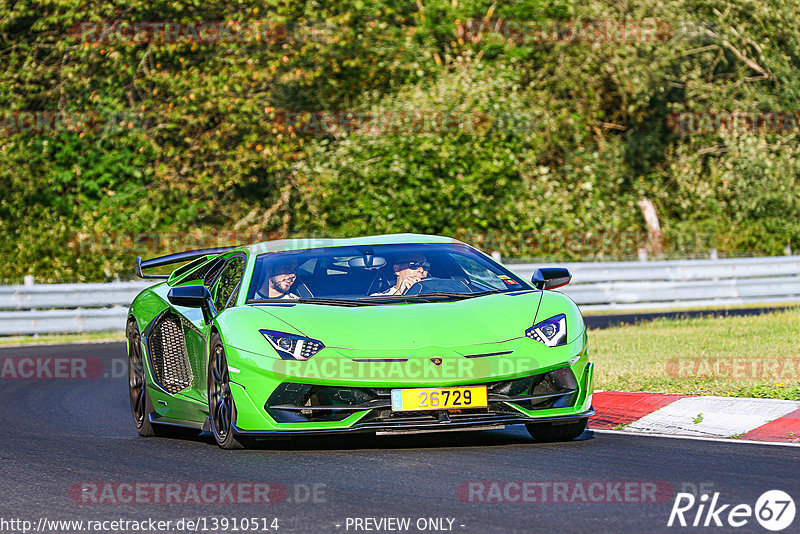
(379, 274)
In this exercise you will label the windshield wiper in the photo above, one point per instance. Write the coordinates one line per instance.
(459, 296)
(379, 299)
(328, 302)
(424, 297)
(289, 302)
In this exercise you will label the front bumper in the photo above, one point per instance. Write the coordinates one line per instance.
(423, 425)
(263, 410)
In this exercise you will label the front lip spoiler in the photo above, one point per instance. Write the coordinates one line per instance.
(406, 428)
(387, 403)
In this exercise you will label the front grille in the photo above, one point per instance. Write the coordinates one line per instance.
(168, 354)
(554, 389)
(301, 403)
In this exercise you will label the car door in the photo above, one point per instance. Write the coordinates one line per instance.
(223, 281)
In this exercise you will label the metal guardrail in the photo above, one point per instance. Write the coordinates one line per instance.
(595, 286)
(618, 286)
(44, 296)
(62, 321)
(66, 308)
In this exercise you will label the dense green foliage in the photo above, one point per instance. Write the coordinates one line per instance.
(568, 136)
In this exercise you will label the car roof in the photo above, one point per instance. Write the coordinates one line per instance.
(305, 243)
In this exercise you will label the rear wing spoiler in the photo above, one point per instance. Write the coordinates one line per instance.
(179, 257)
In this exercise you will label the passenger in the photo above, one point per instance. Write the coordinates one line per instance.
(409, 271)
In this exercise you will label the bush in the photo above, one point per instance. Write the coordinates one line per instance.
(568, 137)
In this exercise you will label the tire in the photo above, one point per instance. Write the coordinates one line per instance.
(221, 406)
(548, 432)
(137, 383)
(141, 405)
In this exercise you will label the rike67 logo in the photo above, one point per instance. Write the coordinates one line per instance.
(774, 510)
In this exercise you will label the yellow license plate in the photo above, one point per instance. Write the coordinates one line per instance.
(412, 400)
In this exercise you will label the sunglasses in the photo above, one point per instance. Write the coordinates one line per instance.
(417, 264)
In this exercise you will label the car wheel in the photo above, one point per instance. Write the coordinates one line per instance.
(548, 432)
(141, 406)
(137, 387)
(221, 407)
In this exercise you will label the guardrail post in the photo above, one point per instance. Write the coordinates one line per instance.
(28, 280)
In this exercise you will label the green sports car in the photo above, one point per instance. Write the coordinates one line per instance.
(385, 334)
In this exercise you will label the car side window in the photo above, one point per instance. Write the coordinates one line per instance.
(212, 273)
(228, 283)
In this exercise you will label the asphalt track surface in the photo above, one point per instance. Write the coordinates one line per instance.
(59, 433)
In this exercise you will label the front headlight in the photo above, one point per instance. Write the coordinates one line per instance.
(292, 346)
(552, 332)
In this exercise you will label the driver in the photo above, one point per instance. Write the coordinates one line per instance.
(278, 281)
(409, 271)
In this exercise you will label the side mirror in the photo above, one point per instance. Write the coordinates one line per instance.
(193, 297)
(550, 277)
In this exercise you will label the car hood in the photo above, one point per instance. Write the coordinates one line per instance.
(486, 319)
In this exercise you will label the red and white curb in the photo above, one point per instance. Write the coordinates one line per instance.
(764, 420)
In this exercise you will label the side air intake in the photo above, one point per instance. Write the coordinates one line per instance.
(168, 353)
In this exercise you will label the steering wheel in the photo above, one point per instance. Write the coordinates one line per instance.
(301, 289)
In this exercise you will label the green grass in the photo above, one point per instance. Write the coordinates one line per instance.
(58, 339)
(751, 356)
